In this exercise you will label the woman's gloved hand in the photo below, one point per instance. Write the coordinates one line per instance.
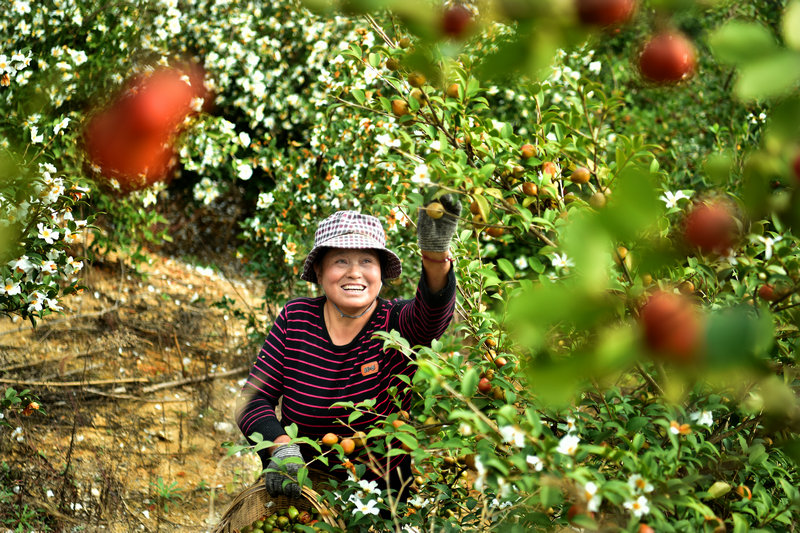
(435, 234)
(279, 468)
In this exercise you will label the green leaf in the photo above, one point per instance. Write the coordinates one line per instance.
(740, 523)
(358, 94)
(791, 25)
(739, 42)
(469, 383)
(506, 266)
(719, 488)
(771, 76)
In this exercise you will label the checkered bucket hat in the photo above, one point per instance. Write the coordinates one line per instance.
(351, 229)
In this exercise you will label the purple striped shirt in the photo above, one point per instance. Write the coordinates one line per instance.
(301, 365)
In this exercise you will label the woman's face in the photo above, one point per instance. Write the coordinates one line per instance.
(350, 278)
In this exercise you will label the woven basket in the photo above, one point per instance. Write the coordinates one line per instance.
(255, 502)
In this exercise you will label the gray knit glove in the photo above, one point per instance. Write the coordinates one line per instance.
(434, 235)
(278, 469)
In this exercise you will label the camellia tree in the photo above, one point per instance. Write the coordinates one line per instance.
(623, 355)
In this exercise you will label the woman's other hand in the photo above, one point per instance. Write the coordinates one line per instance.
(280, 467)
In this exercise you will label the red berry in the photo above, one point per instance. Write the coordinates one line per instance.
(456, 21)
(604, 12)
(668, 57)
(484, 385)
(796, 167)
(671, 326)
(711, 227)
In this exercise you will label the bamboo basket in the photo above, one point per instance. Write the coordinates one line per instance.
(255, 502)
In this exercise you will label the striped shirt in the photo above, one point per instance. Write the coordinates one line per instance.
(301, 365)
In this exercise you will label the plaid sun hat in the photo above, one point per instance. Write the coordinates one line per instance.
(351, 229)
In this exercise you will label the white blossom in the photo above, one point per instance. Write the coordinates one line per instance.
(639, 507)
(702, 418)
(568, 444)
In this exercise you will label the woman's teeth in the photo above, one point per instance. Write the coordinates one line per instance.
(353, 288)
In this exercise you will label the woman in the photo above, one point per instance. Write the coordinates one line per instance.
(321, 351)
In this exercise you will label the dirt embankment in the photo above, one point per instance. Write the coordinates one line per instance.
(137, 378)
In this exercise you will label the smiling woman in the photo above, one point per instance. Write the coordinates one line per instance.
(321, 350)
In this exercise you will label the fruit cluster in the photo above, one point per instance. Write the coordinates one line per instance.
(132, 139)
(284, 521)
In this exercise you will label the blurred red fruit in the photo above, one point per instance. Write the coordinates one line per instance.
(768, 293)
(667, 57)
(644, 528)
(484, 385)
(796, 167)
(159, 102)
(456, 21)
(671, 326)
(604, 12)
(711, 227)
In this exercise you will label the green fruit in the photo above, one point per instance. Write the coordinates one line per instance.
(292, 512)
(283, 521)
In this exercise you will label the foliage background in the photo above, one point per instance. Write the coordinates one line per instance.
(302, 125)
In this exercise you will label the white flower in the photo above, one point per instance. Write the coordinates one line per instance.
(48, 235)
(436, 145)
(482, 473)
(769, 242)
(368, 487)
(639, 507)
(265, 199)
(244, 171)
(571, 425)
(420, 174)
(149, 198)
(23, 264)
(595, 66)
(562, 261)
(521, 262)
(336, 184)
(513, 435)
(5, 65)
(364, 507)
(35, 137)
(568, 444)
(702, 418)
(535, 462)
(592, 498)
(10, 287)
(671, 198)
(61, 125)
(639, 484)
(244, 138)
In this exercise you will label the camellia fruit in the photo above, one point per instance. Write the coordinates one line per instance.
(580, 176)
(452, 90)
(435, 210)
(598, 200)
(494, 231)
(796, 167)
(348, 445)
(399, 107)
(712, 227)
(644, 528)
(456, 21)
(550, 168)
(530, 189)
(668, 57)
(160, 102)
(672, 326)
(604, 12)
(330, 439)
(768, 293)
(527, 151)
(416, 79)
(484, 385)
(392, 64)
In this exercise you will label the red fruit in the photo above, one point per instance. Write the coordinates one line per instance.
(484, 385)
(668, 57)
(456, 21)
(604, 12)
(767, 292)
(644, 528)
(160, 102)
(796, 167)
(711, 227)
(577, 509)
(135, 160)
(671, 326)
